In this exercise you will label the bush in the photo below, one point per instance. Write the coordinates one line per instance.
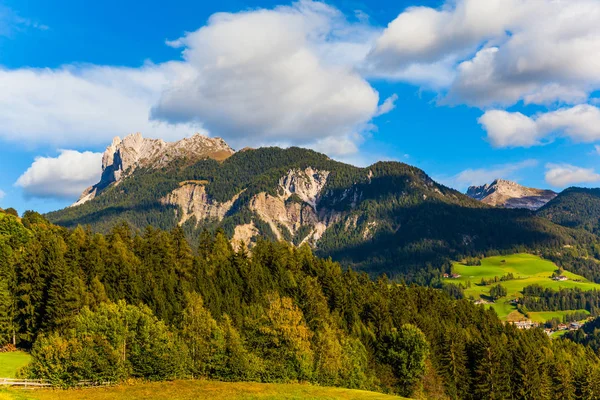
(114, 342)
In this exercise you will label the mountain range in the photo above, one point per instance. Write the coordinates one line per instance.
(388, 217)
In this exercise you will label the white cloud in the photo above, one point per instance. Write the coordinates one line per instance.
(497, 52)
(2, 194)
(480, 176)
(341, 146)
(597, 148)
(561, 175)
(273, 75)
(85, 105)
(506, 129)
(284, 75)
(388, 105)
(512, 129)
(65, 176)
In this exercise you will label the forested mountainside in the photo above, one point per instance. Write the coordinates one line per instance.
(109, 307)
(575, 208)
(389, 217)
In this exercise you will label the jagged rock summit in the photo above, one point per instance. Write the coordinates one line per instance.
(508, 194)
(123, 156)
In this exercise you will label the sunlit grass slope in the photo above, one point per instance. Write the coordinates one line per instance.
(527, 269)
(197, 390)
(11, 362)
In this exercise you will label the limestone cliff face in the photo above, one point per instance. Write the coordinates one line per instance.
(193, 201)
(123, 156)
(296, 205)
(503, 193)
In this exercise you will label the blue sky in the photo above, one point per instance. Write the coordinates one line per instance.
(471, 93)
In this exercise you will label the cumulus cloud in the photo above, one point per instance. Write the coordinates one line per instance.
(85, 105)
(497, 52)
(511, 129)
(265, 76)
(480, 176)
(506, 129)
(270, 75)
(64, 176)
(562, 175)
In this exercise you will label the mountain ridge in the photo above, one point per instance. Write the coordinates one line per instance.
(388, 217)
(509, 194)
(122, 157)
(575, 207)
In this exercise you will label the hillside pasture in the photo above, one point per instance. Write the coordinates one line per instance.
(527, 269)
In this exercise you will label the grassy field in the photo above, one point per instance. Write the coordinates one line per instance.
(11, 362)
(527, 269)
(198, 389)
(543, 316)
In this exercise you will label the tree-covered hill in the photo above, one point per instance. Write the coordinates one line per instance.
(388, 217)
(111, 307)
(575, 208)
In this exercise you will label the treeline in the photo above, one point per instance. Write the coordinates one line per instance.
(147, 305)
(537, 298)
(507, 277)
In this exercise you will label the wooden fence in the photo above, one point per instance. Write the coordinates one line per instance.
(41, 383)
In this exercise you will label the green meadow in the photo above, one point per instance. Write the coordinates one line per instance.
(11, 362)
(527, 270)
(197, 390)
(200, 389)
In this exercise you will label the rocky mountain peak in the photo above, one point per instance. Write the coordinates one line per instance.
(123, 156)
(509, 194)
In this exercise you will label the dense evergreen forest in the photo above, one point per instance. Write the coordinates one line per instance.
(537, 298)
(418, 226)
(148, 305)
(575, 208)
(588, 335)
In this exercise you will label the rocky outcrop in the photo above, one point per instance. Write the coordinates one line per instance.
(244, 233)
(193, 201)
(296, 205)
(123, 157)
(508, 194)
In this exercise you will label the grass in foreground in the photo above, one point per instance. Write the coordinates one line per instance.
(11, 362)
(528, 269)
(197, 389)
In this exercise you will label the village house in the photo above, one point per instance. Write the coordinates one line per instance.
(560, 278)
(528, 324)
(574, 326)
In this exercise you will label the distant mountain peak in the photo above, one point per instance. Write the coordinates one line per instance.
(509, 194)
(123, 156)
